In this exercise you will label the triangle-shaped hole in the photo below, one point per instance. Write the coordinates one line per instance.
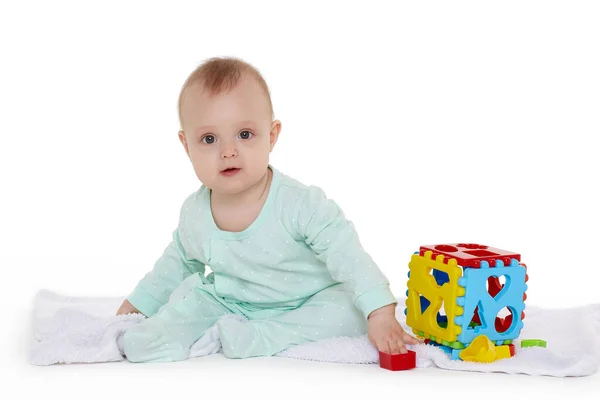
(424, 303)
(478, 320)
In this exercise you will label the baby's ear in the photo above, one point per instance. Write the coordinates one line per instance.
(274, 135)
(183, 141)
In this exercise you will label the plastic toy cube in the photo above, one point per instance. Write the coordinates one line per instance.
(457, 292)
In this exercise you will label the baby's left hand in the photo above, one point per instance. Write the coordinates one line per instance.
(386, 333)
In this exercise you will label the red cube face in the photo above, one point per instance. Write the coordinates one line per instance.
(398, 362)
(470, 254)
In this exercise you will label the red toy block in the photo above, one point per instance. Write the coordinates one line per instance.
(512, 349)
(470, 254)
(398, 362)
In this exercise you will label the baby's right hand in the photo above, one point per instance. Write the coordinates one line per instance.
(127, 308)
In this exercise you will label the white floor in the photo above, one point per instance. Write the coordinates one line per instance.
(219, 377)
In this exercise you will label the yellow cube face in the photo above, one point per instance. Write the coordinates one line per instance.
(423, 284)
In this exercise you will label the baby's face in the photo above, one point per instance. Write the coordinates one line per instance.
(228, 136)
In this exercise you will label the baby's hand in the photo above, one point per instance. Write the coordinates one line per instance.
(127, 308)
(386, 333)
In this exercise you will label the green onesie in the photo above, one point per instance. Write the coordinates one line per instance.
(297, 274)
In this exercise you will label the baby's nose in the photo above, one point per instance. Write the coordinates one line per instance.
(229, 152)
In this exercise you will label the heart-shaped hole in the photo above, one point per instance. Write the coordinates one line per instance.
(495, 285)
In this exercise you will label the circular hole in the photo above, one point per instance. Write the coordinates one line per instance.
(472, 246)
(504, 320)
(445, 248)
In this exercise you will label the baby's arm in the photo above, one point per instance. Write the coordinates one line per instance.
(155, 288)
(322, 224)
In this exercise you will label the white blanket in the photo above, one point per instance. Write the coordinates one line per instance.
(85, 330)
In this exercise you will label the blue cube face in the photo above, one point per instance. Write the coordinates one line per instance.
(477, 297)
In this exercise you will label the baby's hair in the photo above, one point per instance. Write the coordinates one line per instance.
(222, 74)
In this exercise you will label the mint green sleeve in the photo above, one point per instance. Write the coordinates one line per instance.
(155, 288)
(323, 226)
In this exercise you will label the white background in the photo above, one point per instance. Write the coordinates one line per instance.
(428, 122)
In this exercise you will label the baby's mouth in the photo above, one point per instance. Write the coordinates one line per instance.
(230, 171)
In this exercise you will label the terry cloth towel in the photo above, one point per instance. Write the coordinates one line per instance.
(85, 330)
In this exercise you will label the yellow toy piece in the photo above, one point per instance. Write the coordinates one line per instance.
(480, 350)
(421, 282)
(502, 352)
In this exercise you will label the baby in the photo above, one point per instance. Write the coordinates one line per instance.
(284, 259)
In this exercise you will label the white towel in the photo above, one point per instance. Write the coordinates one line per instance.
(85, 330)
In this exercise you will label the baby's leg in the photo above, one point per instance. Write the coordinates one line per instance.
(329, 313)
(169, 334)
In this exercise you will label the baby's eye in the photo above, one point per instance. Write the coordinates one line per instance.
(208, 139)
(245, 134)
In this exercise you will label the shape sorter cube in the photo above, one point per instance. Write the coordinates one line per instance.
(455, 294)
